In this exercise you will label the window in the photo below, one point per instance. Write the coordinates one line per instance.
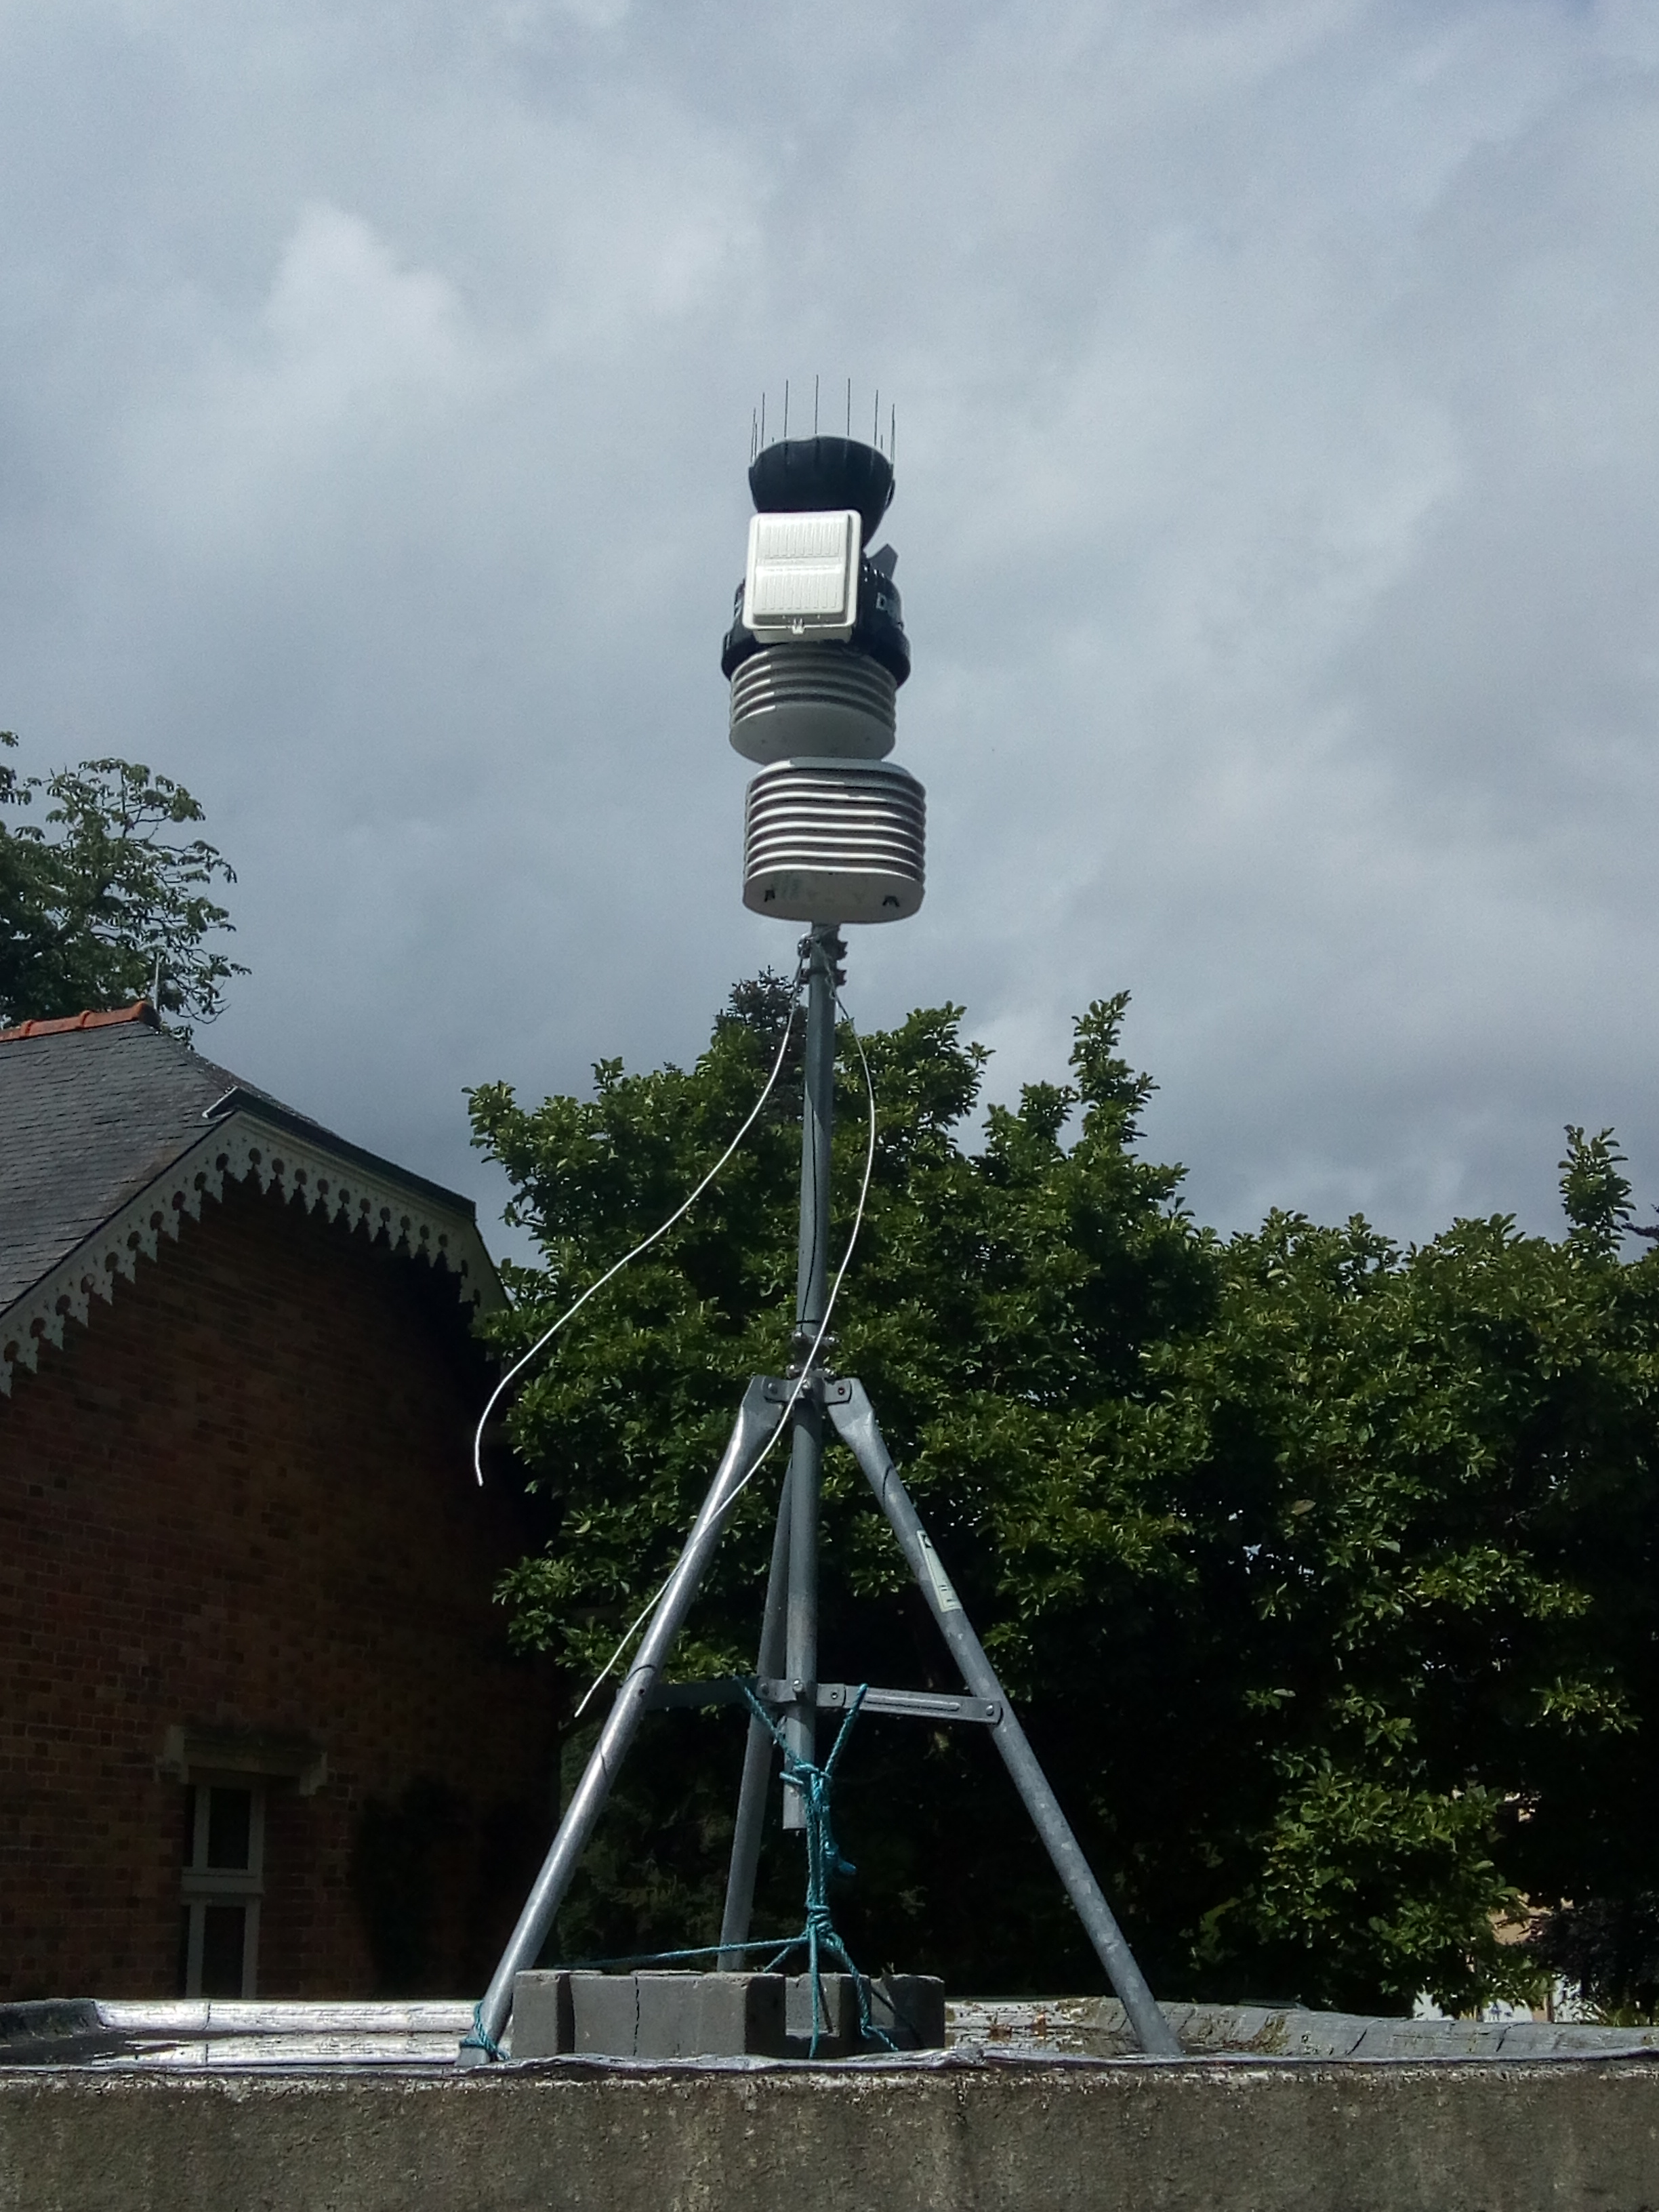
(223, 1882)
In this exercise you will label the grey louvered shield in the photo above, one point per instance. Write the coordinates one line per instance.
(834, 841)
(795, 700)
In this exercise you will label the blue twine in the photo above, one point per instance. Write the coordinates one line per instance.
(479, 2036)
(820, 1937)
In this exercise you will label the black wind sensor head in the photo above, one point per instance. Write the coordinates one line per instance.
(817, 475)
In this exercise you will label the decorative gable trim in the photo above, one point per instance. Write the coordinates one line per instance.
(240, 1146)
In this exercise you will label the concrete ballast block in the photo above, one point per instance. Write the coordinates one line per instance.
(909, 2008)
(679, 2016)
(649, 2016)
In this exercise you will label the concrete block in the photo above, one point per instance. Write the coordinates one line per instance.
(909, 2008)
(709, 2016)
(649, 2016)
(542, 2022)
(605, 2010)
(838, 2033)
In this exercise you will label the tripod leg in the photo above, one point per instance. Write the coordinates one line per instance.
(855, 1423)
(756, 1418)
(757, 1757)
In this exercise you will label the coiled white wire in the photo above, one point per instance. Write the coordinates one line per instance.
(645, 1243)
(807, 1366)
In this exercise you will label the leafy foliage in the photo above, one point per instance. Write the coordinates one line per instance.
(91, 905)
(1320, 1568)
(1404, 1457)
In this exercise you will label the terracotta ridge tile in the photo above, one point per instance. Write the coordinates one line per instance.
(140, 1010)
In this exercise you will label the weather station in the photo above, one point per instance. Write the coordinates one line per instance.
(834, 836)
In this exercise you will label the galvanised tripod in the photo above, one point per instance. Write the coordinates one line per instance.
(787, 1675)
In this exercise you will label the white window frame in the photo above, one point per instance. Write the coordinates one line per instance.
(202, 1885)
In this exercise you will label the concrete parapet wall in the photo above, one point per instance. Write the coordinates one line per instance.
(948, 2135)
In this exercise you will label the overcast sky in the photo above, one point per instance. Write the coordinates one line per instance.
(1277, 512)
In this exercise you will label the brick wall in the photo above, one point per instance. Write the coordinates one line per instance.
(241, 1499)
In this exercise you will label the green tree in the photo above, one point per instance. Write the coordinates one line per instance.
(102, 899)
(1302, 1553)
(1423, 1484)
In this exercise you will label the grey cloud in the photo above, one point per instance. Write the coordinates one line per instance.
(1276, 394)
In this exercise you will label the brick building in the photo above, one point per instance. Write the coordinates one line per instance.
(260, 1731)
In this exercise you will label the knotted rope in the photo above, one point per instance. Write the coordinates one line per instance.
(820, 1937)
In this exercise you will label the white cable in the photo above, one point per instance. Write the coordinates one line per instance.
(806, 1369)
(680, 1210)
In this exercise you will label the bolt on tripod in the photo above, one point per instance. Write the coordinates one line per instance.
(787, 1675)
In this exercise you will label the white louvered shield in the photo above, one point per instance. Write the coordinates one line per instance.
(833, 840)
(806, 702)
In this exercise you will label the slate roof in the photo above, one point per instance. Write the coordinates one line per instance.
(95, 1108)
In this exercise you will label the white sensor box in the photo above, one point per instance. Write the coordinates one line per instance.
(802, 580)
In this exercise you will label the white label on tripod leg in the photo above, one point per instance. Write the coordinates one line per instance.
(948, 1600)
